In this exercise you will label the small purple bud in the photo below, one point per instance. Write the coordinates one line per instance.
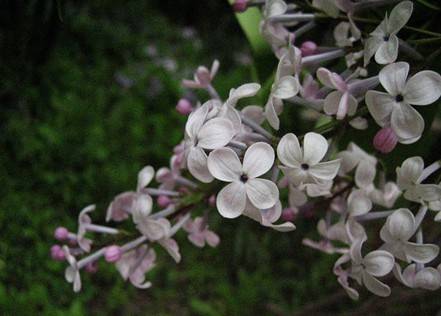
(184, 107)
(385, 140)
(61, 233)
(57, 253)
(163, 201)
(240, 6)
(91, 267)
(212, 200)
(113, 253)
(288, 214)
(308, 48)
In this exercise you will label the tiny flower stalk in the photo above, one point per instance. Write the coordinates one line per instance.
(294, 17)
(159, 192)
(101, 229)
(320, 58)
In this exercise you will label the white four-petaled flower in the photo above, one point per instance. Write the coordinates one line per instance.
(384, 42)
(303, 165)
(224, 165)
(394, 107)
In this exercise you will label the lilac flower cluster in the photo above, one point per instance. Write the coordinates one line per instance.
(230, 158)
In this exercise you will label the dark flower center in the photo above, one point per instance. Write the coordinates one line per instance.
(304, 166)
(386, 38)
(244, 178)
(399, 98)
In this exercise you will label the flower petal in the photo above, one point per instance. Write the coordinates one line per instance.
(365, 174)
(145, 176)
(358, 203)
(370, 48)
(399, 16)
(423, 88)
(215, 133)
(409, 172)
(271, 114)
(378, 263)
(286, 87)
(315, 147)
(393, 77)
(401, 224)
(332, 102)
(388, 51)
(258, 159)
(407, 122)
(262, 193)
(375, 286)
(289, 151)
(197, 165)
(428, 278)
(195, 120)
(325, 170)
(421, 253)
(231, 200)
(224, 165)
(380, 106)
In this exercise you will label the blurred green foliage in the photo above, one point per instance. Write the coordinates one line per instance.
(87, 98)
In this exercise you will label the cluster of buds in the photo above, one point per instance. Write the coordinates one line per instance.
(232, 158)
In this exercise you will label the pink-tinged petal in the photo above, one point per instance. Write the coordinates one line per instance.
(254, 113)
(421, 253)
(231, 200)
(197, 165)
(262, 193)
(295, 175)
(172, 248)
(388, 51)
(325, 170)
(145, 176)
(393, 77)
(315, 147)
(423, 88)
(224, 165)
(407, 122)
(378, 263)
(289, 151)
(197, 239)
(215, 133)
(121, 207)
(258, 159)
(375, 286)
(212, 239)
(195, 120)
(380, 106)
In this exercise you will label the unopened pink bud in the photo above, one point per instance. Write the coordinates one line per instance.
(113, 253)
(57, 253)
(184, 107)
(308, 48)
(288, 214)
(61, 233)
(385, 140)
(240, 6)
(164, 201)
(91, 267)
(212, 200)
